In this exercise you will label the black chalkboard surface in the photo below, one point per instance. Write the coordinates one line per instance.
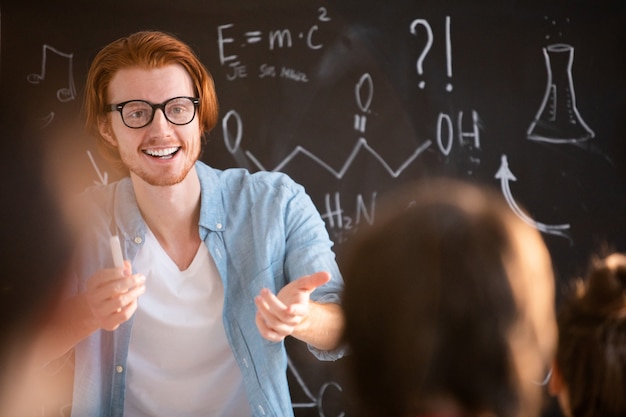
(353, 98)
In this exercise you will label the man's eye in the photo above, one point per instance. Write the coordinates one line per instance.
(135, 114)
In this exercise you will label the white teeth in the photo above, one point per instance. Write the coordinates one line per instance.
(161, 152)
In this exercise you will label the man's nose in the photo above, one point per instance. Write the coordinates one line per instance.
(159, 118)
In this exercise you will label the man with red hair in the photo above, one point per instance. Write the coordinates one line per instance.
(220, 265)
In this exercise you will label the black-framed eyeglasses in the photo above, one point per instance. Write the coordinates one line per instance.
(140, 113)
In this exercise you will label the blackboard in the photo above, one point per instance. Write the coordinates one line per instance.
(353, 98)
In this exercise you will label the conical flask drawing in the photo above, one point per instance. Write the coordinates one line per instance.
(558, 120)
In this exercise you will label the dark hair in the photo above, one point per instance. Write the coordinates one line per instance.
(430, 304)
(591, 354)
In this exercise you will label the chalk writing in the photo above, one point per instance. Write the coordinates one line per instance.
(266, 70)
(448, 53)
(294, 75)
(419, 65)
(275, 39)
(444, 123)
(338, 223)
(429, 43)
(316, 402)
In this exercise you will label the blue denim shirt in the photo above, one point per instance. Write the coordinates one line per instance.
(262, 230)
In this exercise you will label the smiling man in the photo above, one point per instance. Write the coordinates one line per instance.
(220, 265)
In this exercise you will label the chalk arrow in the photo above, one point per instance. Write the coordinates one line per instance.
(505, 175)
(103, 178)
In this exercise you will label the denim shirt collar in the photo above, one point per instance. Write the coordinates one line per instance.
(212, 213)
(130, 223)
(126, 214)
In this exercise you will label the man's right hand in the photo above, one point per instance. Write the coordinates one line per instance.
(112, 295)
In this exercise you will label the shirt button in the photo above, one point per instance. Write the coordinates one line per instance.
(138, 239)
(219, 226)
(119, 369)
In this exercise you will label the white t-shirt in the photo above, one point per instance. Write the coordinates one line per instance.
(179, 361)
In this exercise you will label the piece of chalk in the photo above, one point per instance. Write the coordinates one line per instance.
(116, 250)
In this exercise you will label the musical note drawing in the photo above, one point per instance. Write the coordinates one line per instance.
(505, 175)
(64, 94)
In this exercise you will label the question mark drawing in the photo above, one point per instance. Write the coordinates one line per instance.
(429, 43)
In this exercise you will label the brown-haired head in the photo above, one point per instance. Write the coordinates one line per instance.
(448, 300)
(145, 49)
(591, 355)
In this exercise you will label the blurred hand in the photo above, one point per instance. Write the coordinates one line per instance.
(112, 295)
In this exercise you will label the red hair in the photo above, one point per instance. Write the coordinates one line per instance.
(149, 49)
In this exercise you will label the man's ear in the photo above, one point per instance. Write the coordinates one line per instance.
(104, 127)
(555, 383)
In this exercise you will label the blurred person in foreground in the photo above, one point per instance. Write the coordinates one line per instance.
(449, 306)
(589, 372)
(35, 254)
